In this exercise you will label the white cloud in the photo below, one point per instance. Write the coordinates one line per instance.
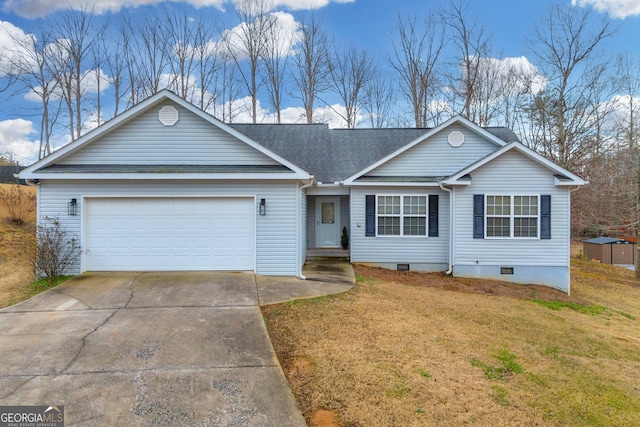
(13, 42)
(513, 75)
(40, 8)
(287, 31)
(16, 138)
(615, 8)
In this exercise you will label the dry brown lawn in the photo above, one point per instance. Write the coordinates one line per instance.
(410, 349)
(16, 254)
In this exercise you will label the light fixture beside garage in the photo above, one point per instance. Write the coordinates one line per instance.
(263, 207)
(72, 207)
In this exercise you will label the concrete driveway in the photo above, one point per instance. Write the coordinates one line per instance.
(152, 348)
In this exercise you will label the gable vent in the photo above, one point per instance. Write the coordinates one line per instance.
(456, 138)
(168, 115)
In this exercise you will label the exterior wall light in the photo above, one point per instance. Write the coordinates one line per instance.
(72, 207)
(263, 207)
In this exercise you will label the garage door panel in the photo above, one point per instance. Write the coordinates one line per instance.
(170, 234)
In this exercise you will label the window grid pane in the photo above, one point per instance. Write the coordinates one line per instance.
(498, 205)
(525, 227)
(415, 226)
(389, 205)
(389, 225)
(498, 227)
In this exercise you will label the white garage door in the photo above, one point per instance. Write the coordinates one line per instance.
(164, 234)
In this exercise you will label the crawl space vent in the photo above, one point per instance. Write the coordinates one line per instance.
(456, 138)
(168, 115)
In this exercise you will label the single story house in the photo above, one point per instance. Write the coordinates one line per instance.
(166, 186)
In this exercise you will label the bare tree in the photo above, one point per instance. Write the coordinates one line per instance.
(209, 63)
(378, 100)
(565, 46)
(76, 37)
(115, 63)
(147, 50)
(471, 41)
(248, 44)
(311, 64)
(275, 57)
(350, 70)
(416, 55)
(31, 66)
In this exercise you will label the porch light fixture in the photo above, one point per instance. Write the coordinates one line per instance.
(72, 207)
(263, 207)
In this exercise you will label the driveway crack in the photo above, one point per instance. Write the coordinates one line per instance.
(83, 341)
(17, 388)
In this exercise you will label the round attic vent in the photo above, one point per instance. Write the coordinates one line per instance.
(456, 138)
(168, 115)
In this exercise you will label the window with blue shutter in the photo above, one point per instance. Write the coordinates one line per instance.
(545, 217)
(433, 215)
(478, 216)
(370, 215)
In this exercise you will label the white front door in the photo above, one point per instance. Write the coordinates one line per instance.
(327, 222)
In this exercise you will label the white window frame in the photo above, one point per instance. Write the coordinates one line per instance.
(402, 215)
(512, 216)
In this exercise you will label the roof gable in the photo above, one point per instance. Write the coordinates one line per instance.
(562, 176)
(139, 137)
(432, 155)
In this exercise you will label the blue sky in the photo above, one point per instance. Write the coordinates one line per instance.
(365, 24)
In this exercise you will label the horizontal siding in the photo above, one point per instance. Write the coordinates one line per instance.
(303, 228)
(512, 173)
(435, 157)
(425, 250)
(276, 232)
(311, 221)
(191, 141)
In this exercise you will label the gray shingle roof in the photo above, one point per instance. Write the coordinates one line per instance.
(336, 154)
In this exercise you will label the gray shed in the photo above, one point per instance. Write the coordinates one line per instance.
(609, 250)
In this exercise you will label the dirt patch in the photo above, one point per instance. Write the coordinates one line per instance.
(324, 418)
(459, 284)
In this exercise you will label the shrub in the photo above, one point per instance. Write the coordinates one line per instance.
(19, 204)
(56, 250)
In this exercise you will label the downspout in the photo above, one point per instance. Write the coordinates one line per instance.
(307, 185)
(571, 190)
(451, 220)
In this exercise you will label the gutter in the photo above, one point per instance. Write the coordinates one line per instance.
(307, 185)
(451, 221)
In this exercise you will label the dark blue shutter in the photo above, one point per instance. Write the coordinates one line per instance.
(545, 217)
(478, 216)
(370, 215)
(433, 215)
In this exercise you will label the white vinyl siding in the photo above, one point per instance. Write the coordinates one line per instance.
(398, 249)
(435, 157)
(276, 232)
(146, 141)
(513, 174)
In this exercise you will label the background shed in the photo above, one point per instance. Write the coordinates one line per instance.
(609, 250)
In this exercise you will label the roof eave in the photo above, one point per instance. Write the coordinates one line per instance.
(170, 176)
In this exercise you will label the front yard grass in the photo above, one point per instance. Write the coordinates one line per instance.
(404, 352)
